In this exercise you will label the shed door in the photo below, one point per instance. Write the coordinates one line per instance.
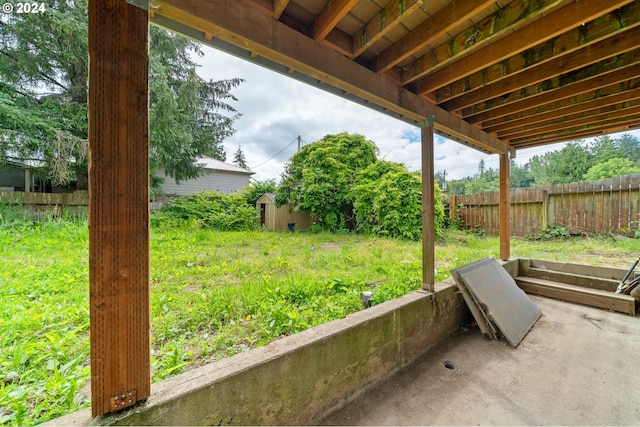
(263, 213)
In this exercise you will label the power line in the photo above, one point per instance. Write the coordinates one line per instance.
(277, 154)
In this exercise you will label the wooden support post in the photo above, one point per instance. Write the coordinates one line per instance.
(118, 205)
(428, 228)
(505, 215)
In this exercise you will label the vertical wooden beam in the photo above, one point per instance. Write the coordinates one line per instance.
(428, 228)
(118, 205)
(505, 215)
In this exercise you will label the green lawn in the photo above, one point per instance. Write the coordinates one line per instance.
(213, 294)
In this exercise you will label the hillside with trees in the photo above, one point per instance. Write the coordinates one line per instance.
(576, 161)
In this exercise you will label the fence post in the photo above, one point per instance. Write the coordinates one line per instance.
(452, 209)
(544, 223)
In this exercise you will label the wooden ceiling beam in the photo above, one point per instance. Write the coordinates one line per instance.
(618, 44)
(384, 21)
(442, 21)
(329, 17)
(547, 52)
(278, 7)
(569, 134)
(577, 136)
(557, 21)
(615, 70)
(241, 25)
(550, 111)
(611, 112)
(264, 6)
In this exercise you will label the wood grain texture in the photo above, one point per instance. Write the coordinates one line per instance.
(118, 205)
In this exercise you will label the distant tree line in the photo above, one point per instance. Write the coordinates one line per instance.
(577, 161)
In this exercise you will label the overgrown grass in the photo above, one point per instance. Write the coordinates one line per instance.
(213, 294)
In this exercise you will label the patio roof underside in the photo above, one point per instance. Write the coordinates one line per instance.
(496, 75)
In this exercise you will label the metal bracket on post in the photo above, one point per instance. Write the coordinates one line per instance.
(429, 122)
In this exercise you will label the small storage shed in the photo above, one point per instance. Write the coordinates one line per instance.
(217, 176)
(279, 219)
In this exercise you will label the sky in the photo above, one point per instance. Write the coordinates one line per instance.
(276, 109)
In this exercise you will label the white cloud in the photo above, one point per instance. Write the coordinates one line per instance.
(276, 109)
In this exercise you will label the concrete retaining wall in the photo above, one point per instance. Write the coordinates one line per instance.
(298, 380)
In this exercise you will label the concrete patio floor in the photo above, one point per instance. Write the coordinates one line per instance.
(577, 366)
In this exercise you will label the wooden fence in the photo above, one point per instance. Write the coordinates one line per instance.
(47, 203)
(592, 207)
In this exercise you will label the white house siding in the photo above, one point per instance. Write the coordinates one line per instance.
(222, 181)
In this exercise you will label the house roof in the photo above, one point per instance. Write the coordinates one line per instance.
(496, 75)
(219, 165)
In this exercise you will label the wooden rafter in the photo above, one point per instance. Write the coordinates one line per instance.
(616, 70)
(556, 22)
(327, 20)
(243, 26)
(605, 127)
(571, 41)
(604, 114)
(447, 18)
(278, 7)
(590, 54)
(384, 21)
(487, 31)
(546, 113)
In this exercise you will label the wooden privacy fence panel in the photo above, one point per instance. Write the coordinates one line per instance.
(593, 207)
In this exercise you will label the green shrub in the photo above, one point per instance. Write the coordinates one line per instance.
(209, 209)
(388, 202)
(553, 231)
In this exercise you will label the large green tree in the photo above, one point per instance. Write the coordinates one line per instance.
(43, 96)
(610, 169)
(630, 146)
(562, 166)
(320, 178)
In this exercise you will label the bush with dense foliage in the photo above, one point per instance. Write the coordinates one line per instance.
(388, 202)
(209, 209)
(611, 168)
(320, 178)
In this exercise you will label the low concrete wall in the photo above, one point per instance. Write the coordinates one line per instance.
(298, 380)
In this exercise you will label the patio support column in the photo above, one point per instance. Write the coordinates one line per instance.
(428, 228)
(505, 207)
(118, 205)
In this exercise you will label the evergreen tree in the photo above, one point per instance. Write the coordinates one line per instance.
(630, 146)
(562, 166)
(239, 159)
(43, 96)
(604, 148)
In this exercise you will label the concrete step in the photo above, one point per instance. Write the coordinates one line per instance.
(578, 294)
